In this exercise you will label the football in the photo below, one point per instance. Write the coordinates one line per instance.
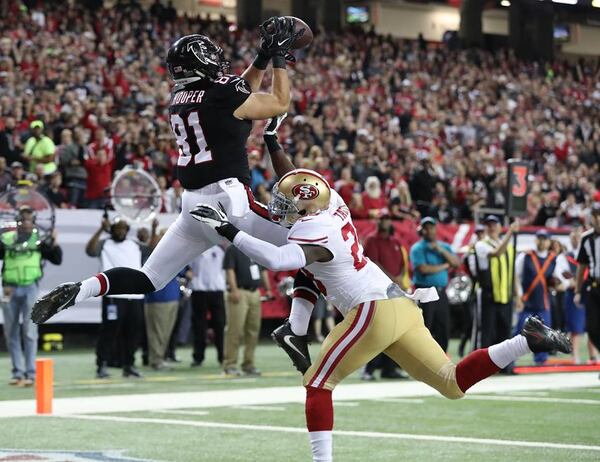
(306, 36)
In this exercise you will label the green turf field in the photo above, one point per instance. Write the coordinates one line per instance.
(552, 424)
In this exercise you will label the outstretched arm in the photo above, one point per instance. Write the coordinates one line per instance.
(284, 258)
(280, 160)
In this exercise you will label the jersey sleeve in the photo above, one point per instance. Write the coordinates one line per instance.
(231, 91)
(309, 232)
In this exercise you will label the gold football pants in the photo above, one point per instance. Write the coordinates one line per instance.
(394, 327)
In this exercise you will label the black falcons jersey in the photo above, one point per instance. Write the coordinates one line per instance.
(211, 141)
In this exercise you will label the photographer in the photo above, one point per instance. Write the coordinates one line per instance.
(122, 315)
(23, 254)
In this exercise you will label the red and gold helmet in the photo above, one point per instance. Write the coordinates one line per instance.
(299, 193)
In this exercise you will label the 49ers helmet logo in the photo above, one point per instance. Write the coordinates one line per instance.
(305, 192)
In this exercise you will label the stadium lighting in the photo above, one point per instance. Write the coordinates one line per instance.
(505, 3)
(596, 3)
(566, 2)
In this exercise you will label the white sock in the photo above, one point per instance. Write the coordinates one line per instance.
(504, 353)
(89, 288)
(322, 446)
(300, 315)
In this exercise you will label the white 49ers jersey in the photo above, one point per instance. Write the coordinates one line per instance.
(350, 278)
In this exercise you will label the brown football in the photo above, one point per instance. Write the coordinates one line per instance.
(306, 36)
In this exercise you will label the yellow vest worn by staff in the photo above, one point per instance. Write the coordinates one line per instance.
(22, 260)
(501, 274)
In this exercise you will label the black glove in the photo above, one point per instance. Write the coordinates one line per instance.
(277, 36)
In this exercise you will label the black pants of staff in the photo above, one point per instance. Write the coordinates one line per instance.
(592, 314)
(496, 320)
(437, 318)
(119, 337)
(202, 302)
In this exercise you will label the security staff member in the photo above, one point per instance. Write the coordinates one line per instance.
(23, 253)
(495, 258)
(243, 310)
(588, 289)
(431, 260)
(535, 272)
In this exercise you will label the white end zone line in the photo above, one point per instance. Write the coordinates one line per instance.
(277, 396)
(400, 436)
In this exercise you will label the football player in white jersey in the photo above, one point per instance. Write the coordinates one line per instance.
(378, 317)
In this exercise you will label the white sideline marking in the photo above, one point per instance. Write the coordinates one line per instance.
(284, 395)
(400, 436)
(181, 412)
(261, 408)
(534, 399)
(345, 403)
(529, 393)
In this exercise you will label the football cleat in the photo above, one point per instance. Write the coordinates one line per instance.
(60, 298)
(542, 339)
(296, 346)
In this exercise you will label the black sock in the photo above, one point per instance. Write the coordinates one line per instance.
(128, 281)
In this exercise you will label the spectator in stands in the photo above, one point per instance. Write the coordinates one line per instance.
(17, 173)
(71, 157)
(373, 200)
(23, 253)
(10, 143)
(5, 176)
(208, 288)
(53, 191)
(122, 315)
(99, 172)
(40, 149)
(173, 198)
(243, 310)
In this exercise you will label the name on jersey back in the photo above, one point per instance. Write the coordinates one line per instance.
(186, 97)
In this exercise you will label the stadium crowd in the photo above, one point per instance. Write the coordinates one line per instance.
(398, 126)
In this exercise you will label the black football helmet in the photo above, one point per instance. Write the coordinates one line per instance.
(195, 57)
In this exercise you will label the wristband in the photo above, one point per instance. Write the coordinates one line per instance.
(272, 143)
(278, 62)
(261, 61)
(228, 231)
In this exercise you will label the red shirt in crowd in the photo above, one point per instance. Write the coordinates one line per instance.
(379, 203)
(99, 177)
(388, 252)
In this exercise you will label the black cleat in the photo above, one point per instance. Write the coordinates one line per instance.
(542, 339)
(296, 346)
(58, 299)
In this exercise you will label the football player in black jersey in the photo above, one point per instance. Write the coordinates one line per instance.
(211, 115)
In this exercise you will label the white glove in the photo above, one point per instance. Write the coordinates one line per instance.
(273, 124)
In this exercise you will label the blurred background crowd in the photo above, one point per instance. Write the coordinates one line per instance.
(403, 127)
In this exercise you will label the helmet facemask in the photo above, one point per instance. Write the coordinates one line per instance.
(281, 208)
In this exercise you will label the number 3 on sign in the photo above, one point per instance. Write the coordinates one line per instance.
(519, 188)
(180, 131)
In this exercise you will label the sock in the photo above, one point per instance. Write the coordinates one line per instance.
(319, 421)
(127, 281)
(300, 315)
(474, 368)
(506, 352)
(91, 287)
(321, 445)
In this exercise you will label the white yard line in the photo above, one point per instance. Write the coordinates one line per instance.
(400, 436)
(534, 399)
(345, 403)
(401, 400)
(284, 395)
(180, 412)
(261, 408)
